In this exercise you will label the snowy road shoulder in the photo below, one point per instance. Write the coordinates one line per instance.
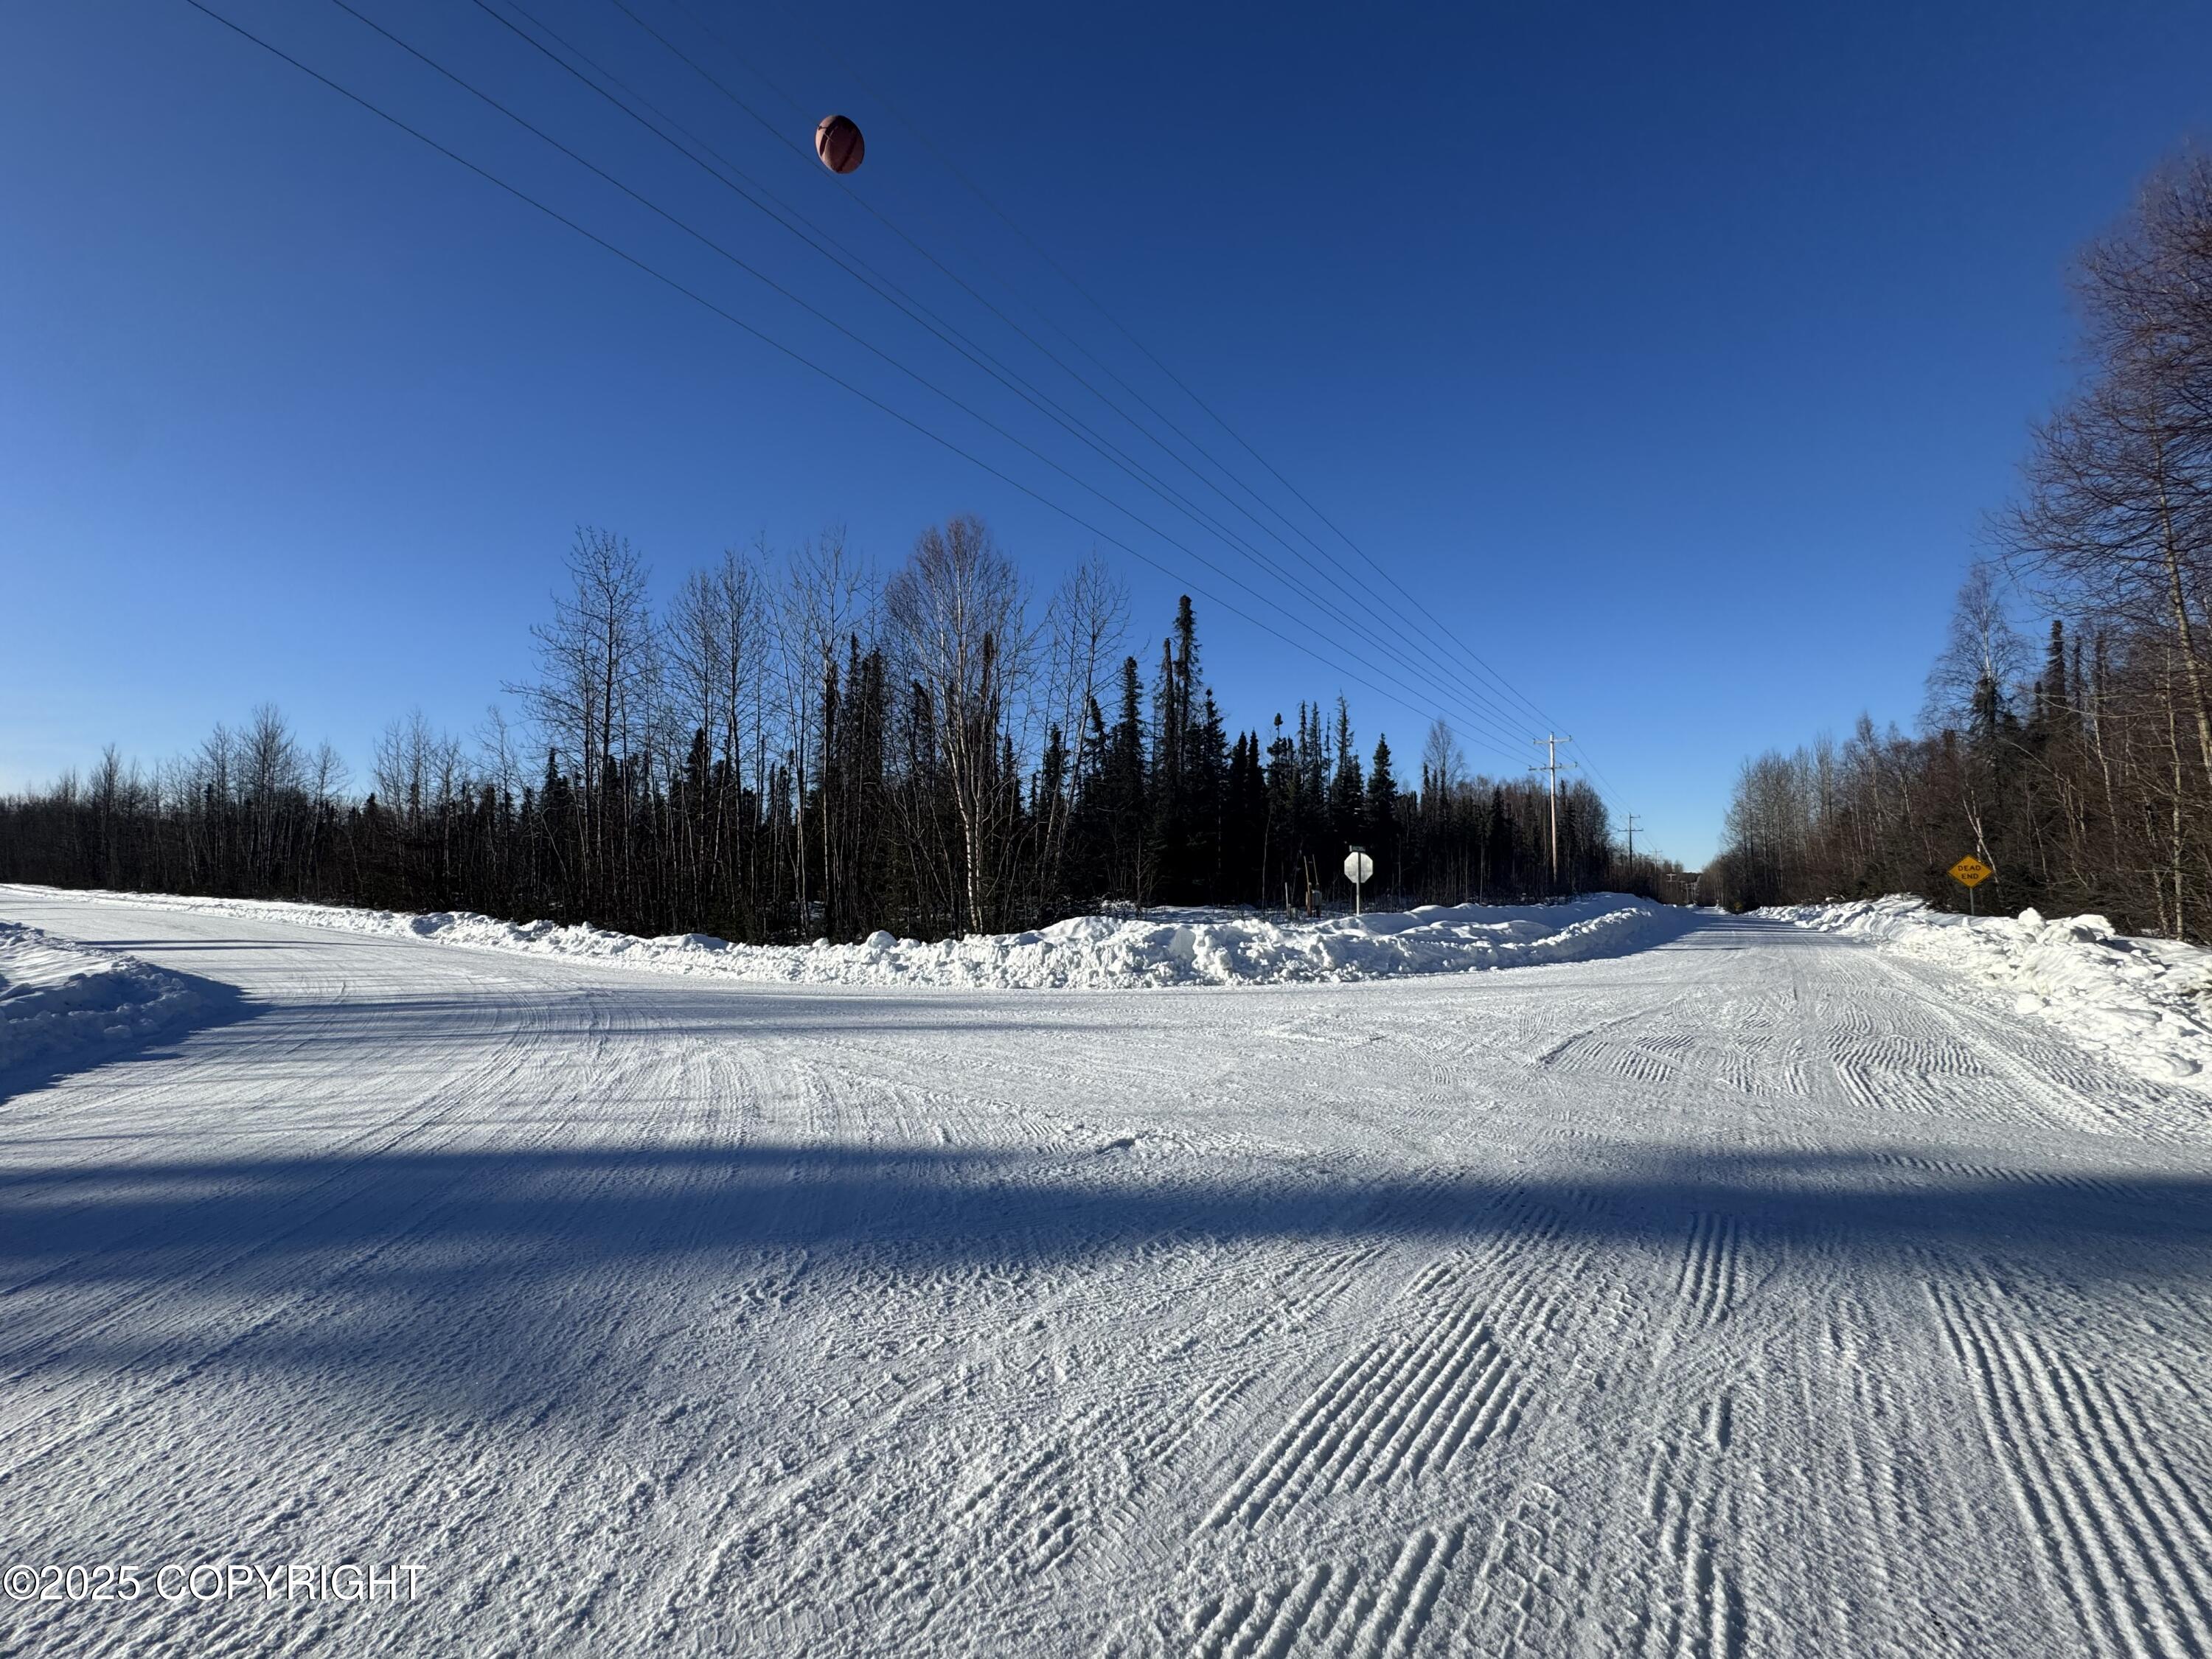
(1165, 948)
(2143, 1002)
(63, 1003)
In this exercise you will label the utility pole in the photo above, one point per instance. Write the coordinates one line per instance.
(1631, 838)
(1552, 742)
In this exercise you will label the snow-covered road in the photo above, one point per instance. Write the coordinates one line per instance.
(1759, 1293)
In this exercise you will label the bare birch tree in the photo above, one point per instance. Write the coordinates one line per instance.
(956, 613)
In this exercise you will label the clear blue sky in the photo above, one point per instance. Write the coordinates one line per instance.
(1669, 355)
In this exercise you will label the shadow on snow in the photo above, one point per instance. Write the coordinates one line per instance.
(463, 1271)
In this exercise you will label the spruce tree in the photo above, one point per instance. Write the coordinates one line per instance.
(1382, 828)
(1345, 789)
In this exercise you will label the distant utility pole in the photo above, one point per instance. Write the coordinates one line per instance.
(1632, 837)
(1552, 742)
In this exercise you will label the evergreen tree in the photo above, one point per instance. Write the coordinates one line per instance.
(1128, 821)
(1347, 790)
(1381, 818)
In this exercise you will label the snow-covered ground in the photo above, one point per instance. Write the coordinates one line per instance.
(62, 1001)
(2144, 1002)
(1765, 1291)
(1164, 947)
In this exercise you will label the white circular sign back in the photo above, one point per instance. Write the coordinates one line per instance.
(1358, 867)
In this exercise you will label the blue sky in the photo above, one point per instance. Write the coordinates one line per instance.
(1669, 356)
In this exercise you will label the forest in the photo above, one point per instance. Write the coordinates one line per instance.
(791, 746)
(2073, 755)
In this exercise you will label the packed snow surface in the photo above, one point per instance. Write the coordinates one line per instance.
(1167, 947)
(2144, 1002)
(60, 999)
(1765, 1291)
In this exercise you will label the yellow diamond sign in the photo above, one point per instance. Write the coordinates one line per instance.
(1970, 871)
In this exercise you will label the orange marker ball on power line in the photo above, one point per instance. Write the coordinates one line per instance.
(837, 141)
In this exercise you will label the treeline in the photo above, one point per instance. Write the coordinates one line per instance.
(791, 748)
(2080, 765)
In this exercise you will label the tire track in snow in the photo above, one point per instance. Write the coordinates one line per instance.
(2068, 1085)
(178, 1347)
(1696, 1609)
(1897, 1471)
(1529, 1585)
(1917, 1060)
(1066, 1502)
(1333, 1611)
(1394, 1409)
(1710, 1275)
(1020, 1520)
(1083, 1493)
(1915, 1071)
(2129, 1544)
(1632, 1062)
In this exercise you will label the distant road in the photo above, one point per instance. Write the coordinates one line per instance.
(1756, 1294)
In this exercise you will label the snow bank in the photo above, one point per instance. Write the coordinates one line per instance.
(1172, 947)
(2145, 1002)
(60, 1000)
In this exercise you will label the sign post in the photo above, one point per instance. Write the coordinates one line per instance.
(1971, 872)
(1358, 866)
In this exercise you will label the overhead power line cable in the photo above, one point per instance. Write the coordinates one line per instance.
(1214, 415)
(1396, 636)
(1422, 617)
(693, 295)
(817, 312)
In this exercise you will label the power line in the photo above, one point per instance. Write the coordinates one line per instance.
(696, 297)
(819, 314)
(896, 297)
(844, 384)
(1453, 639)
(1084, 293)
(1482, 708)
(1292, 617)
